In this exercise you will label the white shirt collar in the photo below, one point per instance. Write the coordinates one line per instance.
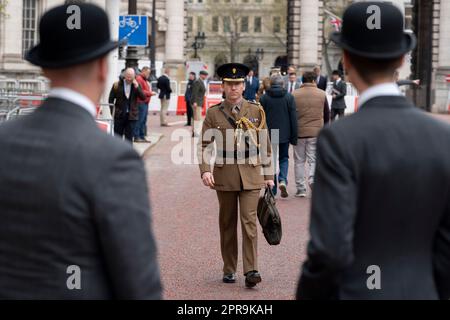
(74, 97)
(384, 89)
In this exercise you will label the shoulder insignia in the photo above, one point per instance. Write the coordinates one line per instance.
(216, 105)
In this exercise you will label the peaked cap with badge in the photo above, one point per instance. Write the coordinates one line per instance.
(234, 72)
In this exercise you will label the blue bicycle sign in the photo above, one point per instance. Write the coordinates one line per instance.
(133, 28)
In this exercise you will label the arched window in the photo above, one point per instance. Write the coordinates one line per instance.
(219, 60)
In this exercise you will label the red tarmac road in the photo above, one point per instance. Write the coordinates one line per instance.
(185, 222)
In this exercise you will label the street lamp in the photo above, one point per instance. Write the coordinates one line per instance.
(132, 58)
(259, 54)
(199, 43)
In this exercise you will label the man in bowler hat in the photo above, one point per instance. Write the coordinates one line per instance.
(380, 215)
(239, 172)
(75, 217)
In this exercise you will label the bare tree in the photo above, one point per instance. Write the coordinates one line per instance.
(230, 15)
(3, 4)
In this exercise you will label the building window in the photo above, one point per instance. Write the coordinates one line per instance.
(215, 24)
(244, 24)
(190, 24)
(199, 24)
(226, 24)
(29, 26)
(257, 26)
(276, 24)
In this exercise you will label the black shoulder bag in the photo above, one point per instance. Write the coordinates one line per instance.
(269, 217)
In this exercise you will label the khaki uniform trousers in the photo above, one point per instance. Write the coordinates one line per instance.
(228, 216)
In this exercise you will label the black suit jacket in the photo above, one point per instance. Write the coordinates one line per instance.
(322, 84)
(119, 99)
(72, 195)
(381, 197)
(163, 84)
(340, 90)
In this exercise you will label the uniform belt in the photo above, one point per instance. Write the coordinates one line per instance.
(237, 154)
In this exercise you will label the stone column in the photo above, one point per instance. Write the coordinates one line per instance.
(309, 33)
(443, 67)
(174, 55)
(113, 10)
(12, 36)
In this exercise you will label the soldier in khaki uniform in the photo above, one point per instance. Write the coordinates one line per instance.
(242, 167)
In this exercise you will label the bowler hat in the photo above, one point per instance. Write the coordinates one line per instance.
(374, 30)
(234, 72)
(64, 42)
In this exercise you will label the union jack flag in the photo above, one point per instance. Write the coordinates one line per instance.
(336, 22)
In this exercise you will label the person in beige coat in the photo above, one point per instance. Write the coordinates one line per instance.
(241, 169)
(312, 113)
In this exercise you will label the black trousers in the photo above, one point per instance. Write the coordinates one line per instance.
(189, 112)
(337, 112)
(124, 127)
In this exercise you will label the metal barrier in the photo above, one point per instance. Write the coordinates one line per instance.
(105, 117)
(13, 87)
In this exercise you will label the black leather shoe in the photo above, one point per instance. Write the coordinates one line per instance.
(229, 278)
(252, 278)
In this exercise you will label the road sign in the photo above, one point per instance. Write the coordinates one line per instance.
(133, 28)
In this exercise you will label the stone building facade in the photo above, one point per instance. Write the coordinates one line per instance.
(261, 25)
(19, 31)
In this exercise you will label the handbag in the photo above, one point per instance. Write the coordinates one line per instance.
(269, 217)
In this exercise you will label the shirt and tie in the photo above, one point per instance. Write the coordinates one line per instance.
(292, 87)
(127, 89)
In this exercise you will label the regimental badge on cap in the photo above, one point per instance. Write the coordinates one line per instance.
(235, 72)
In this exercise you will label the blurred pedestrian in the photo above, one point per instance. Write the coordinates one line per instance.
(124, 95)
(320, 81)
(290, 70)
(338, 93)
(312, 113)
(141, 125)
(251, 86)
(163, 84)
(293, 83)
(75, 216)
(187, 98)
(380, 213)
(198, 101)
(281, 117)
(265, 85)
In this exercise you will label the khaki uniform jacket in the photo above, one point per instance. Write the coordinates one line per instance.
(231, 174)
(198, 92)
